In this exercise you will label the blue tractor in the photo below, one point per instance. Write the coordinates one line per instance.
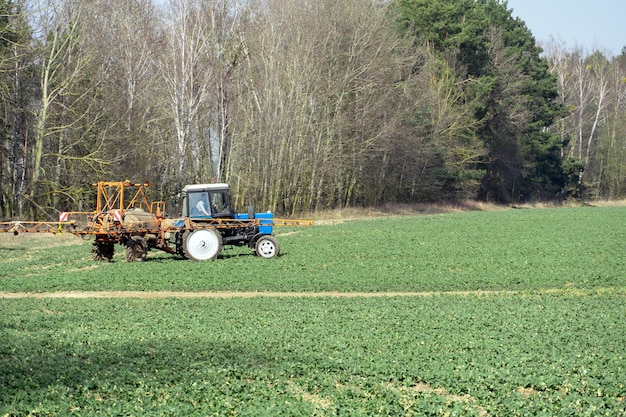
(210, 223)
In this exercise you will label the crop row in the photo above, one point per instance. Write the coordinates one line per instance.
(510, 250)
(439, 355)
(554, 345)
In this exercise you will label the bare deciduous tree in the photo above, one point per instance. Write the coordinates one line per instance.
(15, 95)
(188, 80)
(64, 116)
(316, 100)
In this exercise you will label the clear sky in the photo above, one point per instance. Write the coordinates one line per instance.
(590, 24)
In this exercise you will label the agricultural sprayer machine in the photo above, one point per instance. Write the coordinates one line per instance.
(124, 216)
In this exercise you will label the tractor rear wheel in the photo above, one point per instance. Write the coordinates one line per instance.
(202, 245)
(102, 251)
(136, 249)
(267, 247)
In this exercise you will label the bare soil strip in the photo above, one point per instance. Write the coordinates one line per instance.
(236, 294)
(442, 392)
(323, 403)
(304, 294)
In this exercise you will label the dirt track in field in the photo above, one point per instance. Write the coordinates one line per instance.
(235, 294)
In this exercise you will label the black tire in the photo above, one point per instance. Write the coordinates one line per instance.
(136, 249)
(180, 242)
(267, 247)
(102, 251)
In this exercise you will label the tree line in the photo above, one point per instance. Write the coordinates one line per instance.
(301, 105)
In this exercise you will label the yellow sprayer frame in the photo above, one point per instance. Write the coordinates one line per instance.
(111, 196)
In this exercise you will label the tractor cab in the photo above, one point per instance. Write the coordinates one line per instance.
(207, 201)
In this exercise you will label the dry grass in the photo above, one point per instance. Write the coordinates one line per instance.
(386, 210)
(607, 203)
(403, 210)
(38, 240)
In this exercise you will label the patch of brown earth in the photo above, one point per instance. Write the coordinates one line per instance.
(234, 294)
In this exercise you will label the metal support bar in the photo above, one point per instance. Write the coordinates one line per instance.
(17, 227)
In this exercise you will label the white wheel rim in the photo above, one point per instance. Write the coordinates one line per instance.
(266, 248)
(203, 245)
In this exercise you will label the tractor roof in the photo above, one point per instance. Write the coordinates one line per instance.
(205, 187)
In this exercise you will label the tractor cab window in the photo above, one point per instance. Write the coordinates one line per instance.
(220, 204)
(199, 204)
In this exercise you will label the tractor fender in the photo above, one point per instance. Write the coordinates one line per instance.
(254, 239)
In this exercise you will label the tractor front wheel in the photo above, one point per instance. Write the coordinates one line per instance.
(267, 247)
(136, 249)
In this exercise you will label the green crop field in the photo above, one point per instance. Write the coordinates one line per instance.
(504, 313)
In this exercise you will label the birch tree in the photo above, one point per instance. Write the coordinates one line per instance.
(123, 35)
(316, 102)
(583, 83)
(195, 69)
(609, 159)
(227, 18)
(15, 94)
(64, 116)
(591, 87)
